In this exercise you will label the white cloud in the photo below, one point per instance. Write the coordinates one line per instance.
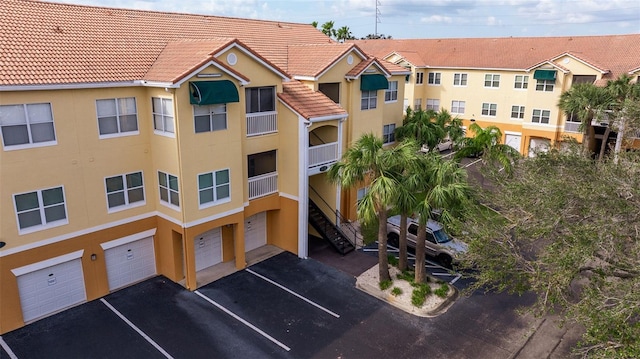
(436, 19)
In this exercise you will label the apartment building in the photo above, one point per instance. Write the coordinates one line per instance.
(139, 143)
(513, 83)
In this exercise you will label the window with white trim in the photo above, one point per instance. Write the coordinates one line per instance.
(210, 118)
(361, 193)
(391, 94)
(545, 85)
(40, 209)
(388, 133)
(125, 190)
(117, 116)
(433, 104)
(434, 78)
(459, 79)
(419, 78)
(214, 187)
(369, 100)
(27, 125)
(489, 109)
(458, 107)
(517, 112)
(162, 109)
(417, 104)
(492, 80)
(541, 116)
(260, 99)
(521, 82)
(169, 190)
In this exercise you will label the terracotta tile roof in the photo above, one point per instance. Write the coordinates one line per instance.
(392, 68)
(49, 43)
(308, 103)
(313, 59)
(616, 53)
(359, 68)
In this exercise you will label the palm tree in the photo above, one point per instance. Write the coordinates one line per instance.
(327, 29)
(622, 92)
(343, 34)
(367, 161)
(486, 143)
(420, 126)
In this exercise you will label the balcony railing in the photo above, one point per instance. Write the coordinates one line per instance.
(323, 155)
(261, 123)
(263, 185)
(572, 126)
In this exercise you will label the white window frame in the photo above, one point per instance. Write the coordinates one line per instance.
(539, 117)
(494, 81)
(165, 115)
(391, 93)
(169, 191)
(361, 193)
(519, 110)
(417, 104)
(125, 191)
(434, 78)
(369, 100)
(213, 112)
(522, 83)
(433, 104)
(458, 107)
(388, 133)
(41, 210)
(29, 122)
(214, 187)
(545, 85)
(118, 108)
(419, 78)
(460, 79)
(487, 108)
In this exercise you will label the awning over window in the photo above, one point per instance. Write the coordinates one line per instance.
(373, 82)
(545, 75)
(213, 92)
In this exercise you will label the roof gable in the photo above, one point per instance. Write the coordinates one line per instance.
(314, 60)
(309, 104)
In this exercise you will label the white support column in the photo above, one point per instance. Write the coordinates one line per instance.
(338, 187)
(303, 188)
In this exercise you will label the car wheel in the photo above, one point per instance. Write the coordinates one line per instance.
(393, 240)
(445, 260)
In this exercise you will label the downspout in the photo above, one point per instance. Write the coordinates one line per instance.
(303, 188)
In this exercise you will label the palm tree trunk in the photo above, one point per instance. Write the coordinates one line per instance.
(383, 261)
(402, 243)
(605, 140)
(420, 252)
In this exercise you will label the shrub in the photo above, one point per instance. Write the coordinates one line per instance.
(442, 291)
(407, 275)
(393, 260)
(396, 291)
(420, 293)
(385, 284)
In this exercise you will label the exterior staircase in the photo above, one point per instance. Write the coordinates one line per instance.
(329, 231)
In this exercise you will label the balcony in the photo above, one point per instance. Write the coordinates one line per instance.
(260, 186)
(262, 123)
(321, 157)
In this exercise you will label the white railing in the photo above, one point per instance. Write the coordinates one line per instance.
(261, 123)
(324, 154)
(263, 185)
(572, 126)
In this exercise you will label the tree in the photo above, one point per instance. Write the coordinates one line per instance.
(376, 37)
(327, 29)
(420, 126)
(368, 162)
(568, 231)
(486, 143)
(343, 34)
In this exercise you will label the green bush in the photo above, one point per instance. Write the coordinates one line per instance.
(369, 232)
(442, 291)
(407, 275)
(385, 284)
(396, 291)
(392, 260)
(420, 293)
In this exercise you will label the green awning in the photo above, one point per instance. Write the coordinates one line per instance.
(373, 82)
(213, 92)
(545, 75)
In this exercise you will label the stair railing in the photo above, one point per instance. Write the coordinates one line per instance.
(340, 219)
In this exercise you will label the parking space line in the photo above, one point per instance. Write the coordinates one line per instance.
(6, 348)
(472, 163)
(274, 340)
(292, 292)
(456, 278)
(134, 327)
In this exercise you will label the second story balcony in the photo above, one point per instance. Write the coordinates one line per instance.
(321, 157)
(262, 174)
(262, 123)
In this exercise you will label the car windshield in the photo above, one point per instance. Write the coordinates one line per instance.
(441, 236)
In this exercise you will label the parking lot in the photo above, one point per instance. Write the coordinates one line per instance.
(284, 307)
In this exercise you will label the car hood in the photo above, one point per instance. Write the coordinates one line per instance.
(455, 245)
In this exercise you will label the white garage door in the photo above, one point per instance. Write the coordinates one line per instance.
(129, 262)
(513, 140)
(255, 231)
(538, 145)
(46, 288)
(208, 248)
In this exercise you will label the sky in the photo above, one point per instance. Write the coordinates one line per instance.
(403, 19)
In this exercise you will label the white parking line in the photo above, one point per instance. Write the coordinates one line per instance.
(473, 163)
(292, 292)
(455, 279)
(6, 348)
(134, 327)
(243, 321)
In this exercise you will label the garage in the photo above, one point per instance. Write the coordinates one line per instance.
(538, 145)
(513, 140)
(208, 249)
(129, 259)
(255, 231)
(49, 286)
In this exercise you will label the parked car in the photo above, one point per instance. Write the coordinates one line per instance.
(443, 145)
(438, 243)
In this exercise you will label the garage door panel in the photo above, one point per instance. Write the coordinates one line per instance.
(208, 249)
(129, 263)
(255, 231)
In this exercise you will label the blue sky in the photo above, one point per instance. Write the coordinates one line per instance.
(422, 18)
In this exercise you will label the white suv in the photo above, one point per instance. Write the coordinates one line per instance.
(438, 244)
